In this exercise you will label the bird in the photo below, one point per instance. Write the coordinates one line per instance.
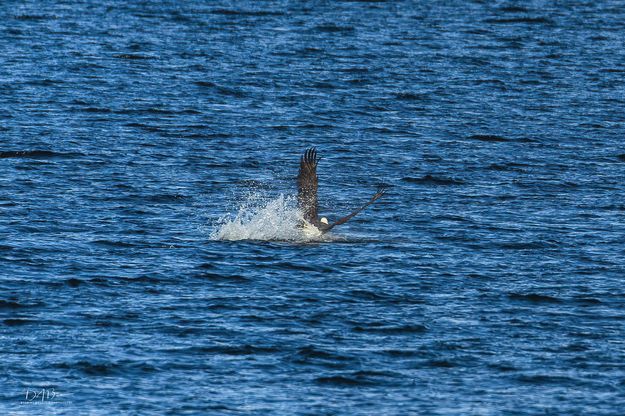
(307, 200)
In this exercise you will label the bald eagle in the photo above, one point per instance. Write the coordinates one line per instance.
(307, 193)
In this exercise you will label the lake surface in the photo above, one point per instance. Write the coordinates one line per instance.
(148, 155)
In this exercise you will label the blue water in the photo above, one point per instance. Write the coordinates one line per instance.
(488, 281)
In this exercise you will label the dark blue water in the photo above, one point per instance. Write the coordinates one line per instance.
(488, 281)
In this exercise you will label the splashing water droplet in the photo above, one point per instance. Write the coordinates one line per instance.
(261, 219)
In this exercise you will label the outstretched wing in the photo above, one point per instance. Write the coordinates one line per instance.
(381, 191)
(307, 185)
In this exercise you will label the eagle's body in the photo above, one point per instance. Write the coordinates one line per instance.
(307, 185)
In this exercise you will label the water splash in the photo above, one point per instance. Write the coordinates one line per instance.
(275, 219)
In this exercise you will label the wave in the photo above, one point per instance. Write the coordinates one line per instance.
(433, 180)
(259, 218)
(257, 13)
(36, 154)
(533, 297)
(523, 19)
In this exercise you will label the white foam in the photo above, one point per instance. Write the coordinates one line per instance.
(276, 219)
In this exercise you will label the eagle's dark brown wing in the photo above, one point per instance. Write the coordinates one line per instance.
(307, 185)
(381, 191)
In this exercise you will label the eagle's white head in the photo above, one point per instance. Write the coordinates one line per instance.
(324, 220)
